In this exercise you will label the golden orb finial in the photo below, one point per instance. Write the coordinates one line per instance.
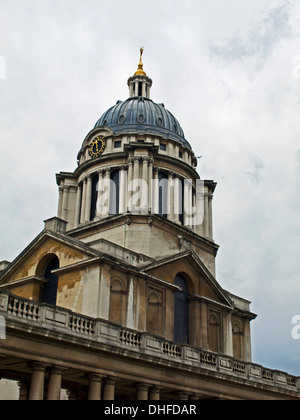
(140, 70)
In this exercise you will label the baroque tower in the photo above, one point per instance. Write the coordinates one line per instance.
(117, 297)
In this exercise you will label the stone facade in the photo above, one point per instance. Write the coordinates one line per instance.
(117, 297)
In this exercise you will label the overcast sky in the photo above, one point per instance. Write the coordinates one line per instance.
(229, 70)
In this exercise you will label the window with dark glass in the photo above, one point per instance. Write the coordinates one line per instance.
(181, 311)
(49, 293)
(163, 194)
(95, 181)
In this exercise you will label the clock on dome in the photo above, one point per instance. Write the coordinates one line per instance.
(97, 147)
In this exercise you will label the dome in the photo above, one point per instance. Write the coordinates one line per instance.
(142, 115)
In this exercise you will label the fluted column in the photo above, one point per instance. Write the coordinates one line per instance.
(54, 385)
(36, 391)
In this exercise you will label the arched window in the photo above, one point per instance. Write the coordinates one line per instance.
(50, 288)
(181, 311)
(114, 193)
(163, 194)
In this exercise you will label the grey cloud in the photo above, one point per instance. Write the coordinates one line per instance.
(261, 39)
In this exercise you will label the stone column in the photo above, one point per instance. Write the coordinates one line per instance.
(36, 391)
(82, 214)
(182, 395)
(155, 192)
(123, 190)
(54, 385)
(95, 387)
(177, 206)
(129, 181)
(65, 202)
(187, 202)
(206, 216)
(60, 195)
(88, 201)
(145, 185)
(99, 206)
(109, 389)
(154, 394)
(78, 205)
(210, 198)
(107, 193)
(171, 196)
(150, 185)
(142, 392)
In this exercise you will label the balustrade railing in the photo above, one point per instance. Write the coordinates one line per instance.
(46, 316)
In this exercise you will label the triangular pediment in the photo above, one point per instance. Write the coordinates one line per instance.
(202, 283)
(28, 263)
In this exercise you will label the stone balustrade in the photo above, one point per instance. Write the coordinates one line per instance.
(61, 320)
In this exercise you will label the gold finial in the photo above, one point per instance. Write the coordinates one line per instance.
(140, 70)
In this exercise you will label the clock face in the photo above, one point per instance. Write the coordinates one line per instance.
(97, 147)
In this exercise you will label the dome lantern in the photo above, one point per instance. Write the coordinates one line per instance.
(140, 84)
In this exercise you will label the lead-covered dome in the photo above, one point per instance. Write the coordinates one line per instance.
(142, 115)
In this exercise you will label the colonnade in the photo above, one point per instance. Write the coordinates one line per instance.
(100, 387)
(140, 189)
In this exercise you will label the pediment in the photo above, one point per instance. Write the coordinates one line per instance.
(29, 263)
(202, 284)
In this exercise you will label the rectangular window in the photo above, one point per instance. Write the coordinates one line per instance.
(117, 144)
(180, 154)
(163, 147)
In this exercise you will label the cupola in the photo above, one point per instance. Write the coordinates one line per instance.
(140, 84)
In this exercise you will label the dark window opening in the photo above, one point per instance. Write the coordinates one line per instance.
(163, 194)
(50, 288)
(163, 147)
(95, 182)
(140, 88)
(117, 144)
(181, 312)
